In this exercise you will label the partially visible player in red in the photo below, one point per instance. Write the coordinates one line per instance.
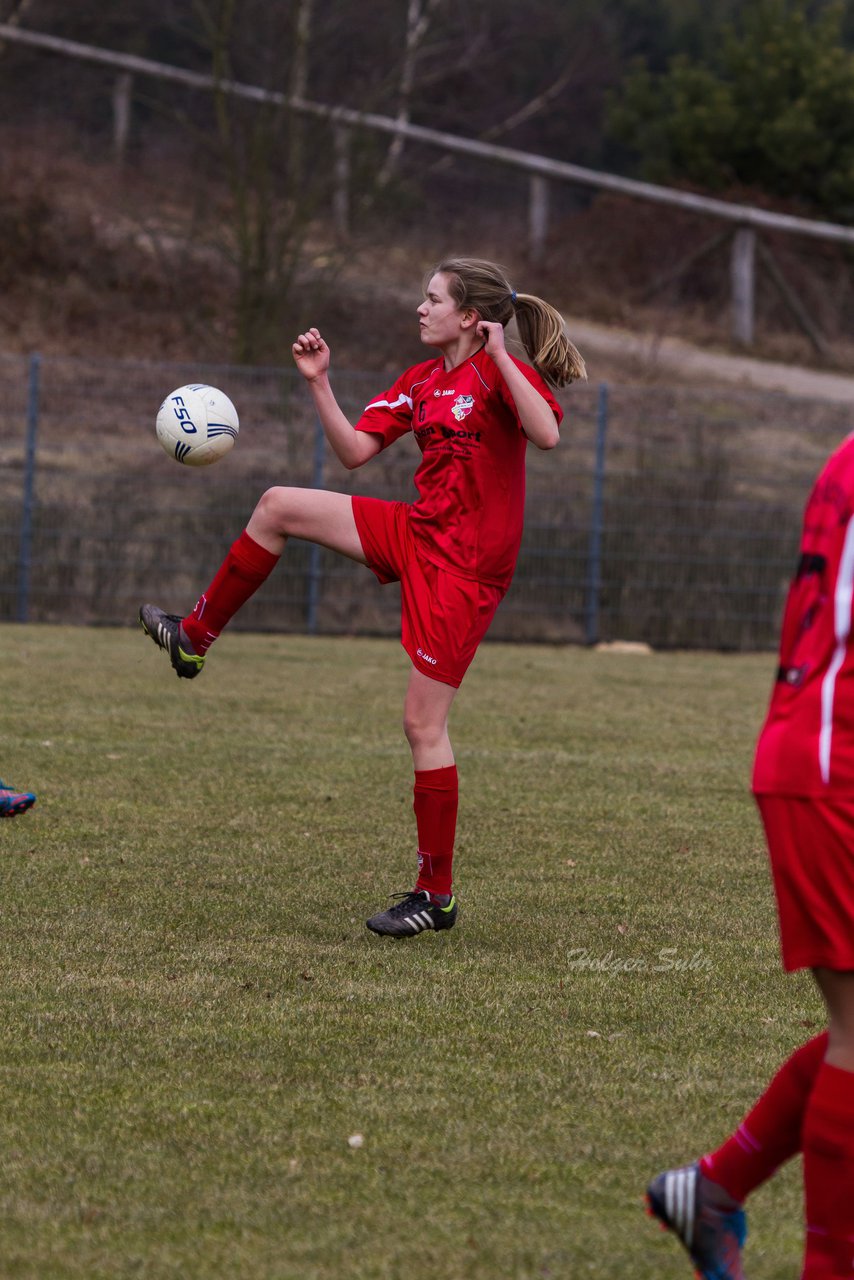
(472, 410)
(803, 780)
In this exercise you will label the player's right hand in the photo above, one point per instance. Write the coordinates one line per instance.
(311, 354)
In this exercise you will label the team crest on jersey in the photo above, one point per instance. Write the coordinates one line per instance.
(462, 407)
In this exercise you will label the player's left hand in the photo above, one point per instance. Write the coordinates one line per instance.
(493, 334)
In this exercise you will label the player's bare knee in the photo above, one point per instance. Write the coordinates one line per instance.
(410, 728)
(421, 730)
(274, 509)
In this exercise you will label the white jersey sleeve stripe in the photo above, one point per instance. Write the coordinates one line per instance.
(842, 599)
(390, 404)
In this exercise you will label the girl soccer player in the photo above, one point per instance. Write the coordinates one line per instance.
(803, 779)
(472, 410)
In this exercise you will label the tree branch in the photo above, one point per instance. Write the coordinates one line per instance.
(527, 112)
(418, 15)
(13, 12)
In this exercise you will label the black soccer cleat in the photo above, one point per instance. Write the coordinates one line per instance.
(413, 913)
(709, 1223)
(165, 630)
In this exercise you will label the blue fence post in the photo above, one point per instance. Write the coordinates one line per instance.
(594, 558)
(315, 552)
(25, 550)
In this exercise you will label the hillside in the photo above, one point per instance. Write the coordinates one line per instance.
(117, 262)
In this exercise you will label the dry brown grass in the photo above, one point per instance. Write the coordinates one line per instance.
(102, 260)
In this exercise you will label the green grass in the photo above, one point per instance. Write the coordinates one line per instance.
(195, 1019)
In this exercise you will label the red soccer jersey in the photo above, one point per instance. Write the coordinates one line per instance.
(471, 478)
(806, 747)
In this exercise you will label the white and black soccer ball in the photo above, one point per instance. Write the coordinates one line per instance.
(197, 424)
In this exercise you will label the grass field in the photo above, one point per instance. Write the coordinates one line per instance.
(195, 1019)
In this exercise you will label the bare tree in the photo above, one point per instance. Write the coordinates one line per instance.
(299, 85)
(531, 109)
(11, 13)
(272, 193)
(418, 16)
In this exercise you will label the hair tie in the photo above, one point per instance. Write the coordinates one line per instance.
(513, 296)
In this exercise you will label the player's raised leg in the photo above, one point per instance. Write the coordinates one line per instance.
(431, 904)
(282, 512)
(314, 514)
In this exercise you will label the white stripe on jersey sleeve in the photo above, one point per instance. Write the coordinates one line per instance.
(842, 600)
(403, 398)
(390, 404)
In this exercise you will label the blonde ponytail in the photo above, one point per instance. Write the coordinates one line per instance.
(545, 339)
(483, 286)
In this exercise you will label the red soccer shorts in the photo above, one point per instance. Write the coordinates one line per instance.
(444, 616)
(811, 847)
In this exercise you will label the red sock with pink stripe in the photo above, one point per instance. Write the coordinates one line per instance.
(436, 798)
(239, 576)
(828, 1145)
(770, 1134)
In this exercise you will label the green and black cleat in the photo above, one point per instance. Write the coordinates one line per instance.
(165, 630)
(413, 913)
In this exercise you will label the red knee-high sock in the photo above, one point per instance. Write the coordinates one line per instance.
(770, 1134)
(238, 577)
(829, 1175)
(436, 797)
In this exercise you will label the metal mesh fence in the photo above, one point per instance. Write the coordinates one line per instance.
(666, 515)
